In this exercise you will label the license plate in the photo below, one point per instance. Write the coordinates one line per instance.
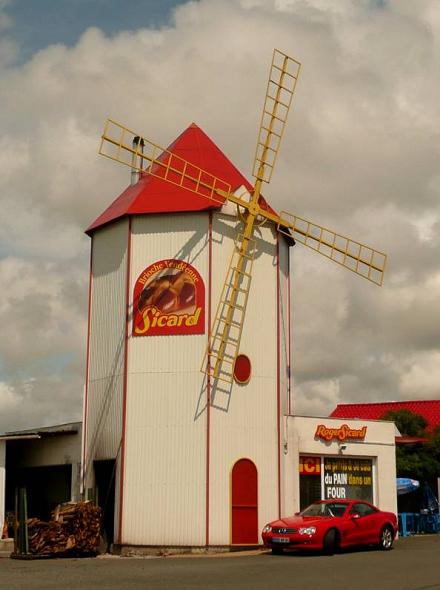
(280, 540)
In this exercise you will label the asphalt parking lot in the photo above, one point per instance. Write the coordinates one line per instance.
(414, 564)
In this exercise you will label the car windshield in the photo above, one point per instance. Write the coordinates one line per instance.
(324, 509)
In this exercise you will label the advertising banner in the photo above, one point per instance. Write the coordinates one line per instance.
(346, 478)
(310, 465)
(169, 299)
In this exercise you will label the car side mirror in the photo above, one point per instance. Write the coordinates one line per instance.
(355, 516)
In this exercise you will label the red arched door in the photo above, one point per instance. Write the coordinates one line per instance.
(244, 500)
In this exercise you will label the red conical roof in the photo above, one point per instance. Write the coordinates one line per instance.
(155, 195)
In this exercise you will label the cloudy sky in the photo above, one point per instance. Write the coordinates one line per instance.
(360, 155)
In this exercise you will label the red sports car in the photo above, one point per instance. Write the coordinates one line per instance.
(328, 525)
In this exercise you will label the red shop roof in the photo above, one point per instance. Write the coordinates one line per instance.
(155, 195)
(429, 409)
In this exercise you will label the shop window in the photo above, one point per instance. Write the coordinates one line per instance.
(309, 490)
(347, 478)
(309, 480)
(335, 478)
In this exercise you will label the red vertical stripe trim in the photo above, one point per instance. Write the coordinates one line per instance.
(124, 392)
(85, 457)
(208, 380)
(289, 357)
(278, 379)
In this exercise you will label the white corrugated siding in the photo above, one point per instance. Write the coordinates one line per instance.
(107, 338)
(164, 501)
(165, 459)
(284, 324)
(244, 423)
(2, 480)
(284, 307)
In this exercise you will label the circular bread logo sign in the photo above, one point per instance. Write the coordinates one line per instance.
(169, 298)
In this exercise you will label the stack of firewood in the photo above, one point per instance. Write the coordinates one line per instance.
(73, 530)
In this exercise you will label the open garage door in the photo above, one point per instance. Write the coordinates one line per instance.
(46, 487)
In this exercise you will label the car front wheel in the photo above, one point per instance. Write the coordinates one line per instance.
(386, 538)
(330, 543)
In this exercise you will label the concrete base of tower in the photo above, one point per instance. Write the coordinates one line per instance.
(165, 551)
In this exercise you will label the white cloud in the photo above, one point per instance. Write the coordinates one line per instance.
(315, 397)
(360, 155)
(9, 401)
(420, 376)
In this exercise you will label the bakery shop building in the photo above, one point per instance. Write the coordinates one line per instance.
(181, 458)
(338, 459)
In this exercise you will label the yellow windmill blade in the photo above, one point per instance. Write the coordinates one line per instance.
(227, 327)
(225, 335)
(359, 258)
(129, 148)
(281, 86)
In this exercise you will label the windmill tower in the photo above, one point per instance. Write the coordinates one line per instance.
(196, 457)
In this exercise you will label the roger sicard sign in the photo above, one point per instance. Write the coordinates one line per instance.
(343, 433)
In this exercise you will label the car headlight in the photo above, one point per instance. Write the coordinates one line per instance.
(267, 529)
(307, 530)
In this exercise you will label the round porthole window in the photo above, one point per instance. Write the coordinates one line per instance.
(242, 369)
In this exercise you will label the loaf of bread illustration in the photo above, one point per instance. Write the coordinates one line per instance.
(168, 293)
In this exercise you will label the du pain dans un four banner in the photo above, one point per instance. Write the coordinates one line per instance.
(337, 477)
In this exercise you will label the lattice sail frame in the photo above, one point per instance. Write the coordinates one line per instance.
(117, 143)
(227, 327)
(281, 85)
(359, 258)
